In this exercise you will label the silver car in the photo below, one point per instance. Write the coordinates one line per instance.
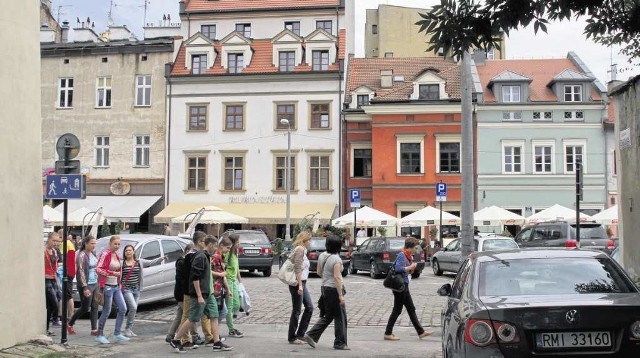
(448, 259)
(158, 280)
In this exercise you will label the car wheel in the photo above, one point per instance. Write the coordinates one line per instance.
(416, 274)
(267, 272)
(352, 268)
(372, 270)
(436, 267)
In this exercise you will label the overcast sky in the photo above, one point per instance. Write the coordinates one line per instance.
(561, 37)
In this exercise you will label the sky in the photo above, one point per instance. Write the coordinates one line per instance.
(522, 44)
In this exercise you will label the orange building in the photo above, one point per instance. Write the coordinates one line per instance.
(402, 134)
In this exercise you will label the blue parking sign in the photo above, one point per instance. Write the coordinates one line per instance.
(441, 189)
(354, 198)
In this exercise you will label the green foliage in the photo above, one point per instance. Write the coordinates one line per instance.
(433, 232)
(118, 228)
(278, 246)
(105, 230)
(382, 231)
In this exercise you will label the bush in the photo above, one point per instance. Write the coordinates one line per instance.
(105, 230)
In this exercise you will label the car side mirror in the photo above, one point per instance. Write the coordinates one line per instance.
(445, 290)
(444, 249)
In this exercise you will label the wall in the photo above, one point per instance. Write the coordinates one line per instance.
(22, 306)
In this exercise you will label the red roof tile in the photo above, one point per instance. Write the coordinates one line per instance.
(238, 5)
(541, 71)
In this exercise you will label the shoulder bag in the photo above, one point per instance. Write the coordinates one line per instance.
(394, 280)
(287, 273)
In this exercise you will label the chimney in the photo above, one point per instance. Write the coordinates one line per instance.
(47, 35)
(386, 78)
(64, 32)
(120, 33)
(182, 6)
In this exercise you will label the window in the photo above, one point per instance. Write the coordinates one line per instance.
(234, 115)
(429, 91)
(574, 115)
(573, 154)
(573, 93)
(449, 157)
(143, 90)
(324, 24)
(512, 159)
(65, 93)
(388, 55)
(287, 60)
(286, 111)
(281, 170)
(151, 250)
(198, 118)
(244, 29)
(233, 173)
(542, 116)
(236, 62)
(209, 31)
(141, 150)
(510, 93)
(542, 158)
(320, 60)
(511, 116)
(362, 163)
(172, 250)
(319, 172)
(320, 116)
(198, 64)
(363, 100)
(102, 151)
(615, 165)
(410, 158)
(103, 92)
(294, 26)
(197, 172)
(374, 29)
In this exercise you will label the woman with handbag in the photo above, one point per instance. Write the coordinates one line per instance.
(87, 283)
(405, 266)
(132, 274)
(109, 270)
(299, 293)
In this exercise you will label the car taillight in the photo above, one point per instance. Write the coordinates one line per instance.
(482, 332)
(506, 332)
(611, 245)
(240, 251)
(571, 244)
(385, 256)
(313, 256)
(267, 251)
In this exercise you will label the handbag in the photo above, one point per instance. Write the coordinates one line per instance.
(287, 274)
(98, 295)
(394, 280)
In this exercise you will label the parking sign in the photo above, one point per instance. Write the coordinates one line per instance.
(354, 198)
(441, 191)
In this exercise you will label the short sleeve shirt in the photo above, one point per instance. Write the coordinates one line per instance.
(217, 265)
(327, 271)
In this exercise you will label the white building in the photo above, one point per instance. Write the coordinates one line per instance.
(242, 67)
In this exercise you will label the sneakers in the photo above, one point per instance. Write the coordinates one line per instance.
(425, 334)
(198, 341)
(129, 333)
(168, 338)
(70, 330)
(94, 332)
(50, 333)
(120, 338)
(189, 345)
(220, 347)
(235, 333)
(177, 345)
(309, 340)
(342, 348)
(56, 323)
(391, 337)
(102, 340)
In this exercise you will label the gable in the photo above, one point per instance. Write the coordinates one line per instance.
(429, 76)
(198, 40)
(320, 35)
(286, 36)
(235, 38)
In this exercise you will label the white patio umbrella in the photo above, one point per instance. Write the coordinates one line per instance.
(51, 216)
(429, 216)
(75, 218)
(212, 215)
(607, 217)
(496, 216)
(366, 216)
(556, 212)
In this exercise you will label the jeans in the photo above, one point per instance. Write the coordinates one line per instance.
(233, 303)
(131, 297)
(334, 311)
(86, 304)
(176, 321)
(403, 299)
(112, 293)
(205, 323)
(51, 299)
(297, 330)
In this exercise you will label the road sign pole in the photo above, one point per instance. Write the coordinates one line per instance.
(578, 167)
(354, 224)
(65, 281)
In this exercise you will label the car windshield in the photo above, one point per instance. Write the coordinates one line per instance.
(396, 244)
(590, 231)
(318, 244)
(103, 244)
(550, 276)
(498, 244)
(254, 238)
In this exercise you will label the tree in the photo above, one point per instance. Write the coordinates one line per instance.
(456, 26)
(104, 229)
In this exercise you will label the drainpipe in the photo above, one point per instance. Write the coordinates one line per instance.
(608, 172)
(342, 181)
(167, 160)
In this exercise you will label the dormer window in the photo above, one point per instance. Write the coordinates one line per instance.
(320, 60)
(244, 29)
(573, 93)
(236, 62)
(510, 93)
(198, 64)
(209, 31)
(293, 26)
(431, 92)
(287, 61)
(363, 100)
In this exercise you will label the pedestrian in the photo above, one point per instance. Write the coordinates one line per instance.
(233, 279)
(333, 292)
(87, 284)
(361, 233)
(132, 276)
(50, 279)
(201, 298)
(180, 289)
(404, 265)
(218, 269)
(109, 271)
(166, 230)
(300, 293)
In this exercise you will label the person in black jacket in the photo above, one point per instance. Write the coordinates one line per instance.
(178, 293)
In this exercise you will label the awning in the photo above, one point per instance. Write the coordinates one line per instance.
(273, 213)
(127, 208)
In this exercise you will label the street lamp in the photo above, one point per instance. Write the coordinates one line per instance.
(287, 176)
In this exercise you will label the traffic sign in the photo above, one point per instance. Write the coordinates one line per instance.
(73, 167)
(68, 143)
(354, 198)
(441, 191)
(65, 186)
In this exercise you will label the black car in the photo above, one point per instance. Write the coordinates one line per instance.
(562, 233)
(377, 255)
(541, 303)
(316, 248)
(255, 252)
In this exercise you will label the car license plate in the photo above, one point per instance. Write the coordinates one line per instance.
(572, 339)
(252, 251)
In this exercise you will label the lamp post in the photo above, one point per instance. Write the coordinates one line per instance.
(287, 176)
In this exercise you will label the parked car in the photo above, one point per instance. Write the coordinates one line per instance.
(448, 259)
(541, 303)
(255, 251)
(562, 233)
(158, 280)
(316, 248)
(378, 254)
